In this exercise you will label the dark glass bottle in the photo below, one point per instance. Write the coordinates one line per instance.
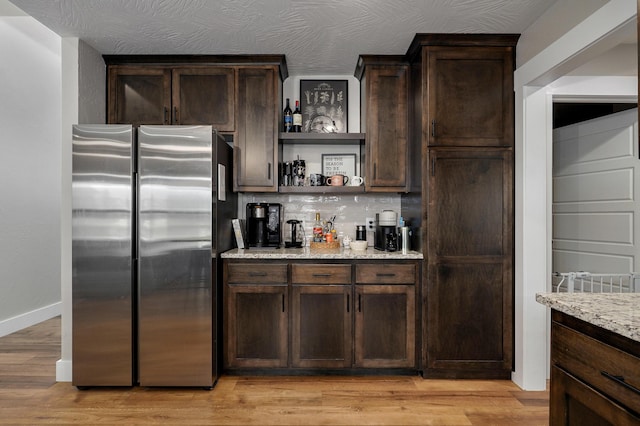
(297, 118)
(288, 118)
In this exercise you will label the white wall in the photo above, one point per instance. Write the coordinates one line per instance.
(92, 83)
(554, 23)
(30, 119)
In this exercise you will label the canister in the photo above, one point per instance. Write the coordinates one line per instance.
(405, 237)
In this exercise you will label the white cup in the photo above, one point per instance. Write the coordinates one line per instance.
(355, 181)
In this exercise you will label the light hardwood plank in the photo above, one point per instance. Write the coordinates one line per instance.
(30, 395)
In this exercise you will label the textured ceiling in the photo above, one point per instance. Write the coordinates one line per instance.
(317, 36)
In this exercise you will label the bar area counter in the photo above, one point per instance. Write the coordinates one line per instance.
(307, 253)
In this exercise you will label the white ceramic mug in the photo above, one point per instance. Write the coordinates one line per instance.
(356, 181)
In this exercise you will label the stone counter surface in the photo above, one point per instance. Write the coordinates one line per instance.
(616, 312)
(306, 253)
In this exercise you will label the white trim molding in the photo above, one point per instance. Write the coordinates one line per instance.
(17, 323)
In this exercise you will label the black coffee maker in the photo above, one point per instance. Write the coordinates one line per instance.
(386, 235)
(263, 224)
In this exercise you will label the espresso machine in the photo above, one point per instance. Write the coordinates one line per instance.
(386, 235)
(263, 224)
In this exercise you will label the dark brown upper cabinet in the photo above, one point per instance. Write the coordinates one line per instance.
(467, 87)
(204, 96)
(239, 95)
(139, 95)
(180, 95)
(384, 92)
(258, 95)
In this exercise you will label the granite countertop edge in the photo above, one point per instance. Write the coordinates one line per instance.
(616, 312)
(307, 253)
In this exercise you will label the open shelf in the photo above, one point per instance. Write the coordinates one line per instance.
(321, 138)
(321, 189)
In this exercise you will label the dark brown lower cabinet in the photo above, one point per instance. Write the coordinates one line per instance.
(385, 326)
(468, 294)
(595, 375)
(385, 315)
(256, 312)
(321, 326)
(257, 326)
(575, 403)
(312, 316)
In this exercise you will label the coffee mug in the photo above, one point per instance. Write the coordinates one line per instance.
(337, 180)
(356, 181)
(316, 179)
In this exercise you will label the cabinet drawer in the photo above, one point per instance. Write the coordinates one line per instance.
(321, 274)
(385, 274)
(605, 368)
(252, 273)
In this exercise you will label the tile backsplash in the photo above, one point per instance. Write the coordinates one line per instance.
(350, 210)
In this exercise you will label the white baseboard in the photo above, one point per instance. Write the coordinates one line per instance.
(11, 325)
(64, 370)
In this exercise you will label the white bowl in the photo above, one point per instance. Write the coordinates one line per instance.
(358, 245)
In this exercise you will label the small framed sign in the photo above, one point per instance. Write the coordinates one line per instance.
(339, 164)
(323, 104)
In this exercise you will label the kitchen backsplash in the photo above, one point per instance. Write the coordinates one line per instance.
(350, 210)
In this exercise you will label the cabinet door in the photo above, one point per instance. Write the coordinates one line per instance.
(256, 325)
(321, 326)
(204, 96)
(470, 96)
(573, 402)
(139, 95)
(385, 326)
(255, 156)
(387, 127)
(469, 286)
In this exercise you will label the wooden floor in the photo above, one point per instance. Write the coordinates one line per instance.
(30, 395)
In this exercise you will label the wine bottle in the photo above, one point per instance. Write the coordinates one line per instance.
(297, 118)
(317, 229)
(288, 118)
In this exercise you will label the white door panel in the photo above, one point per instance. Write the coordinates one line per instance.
(596, 205)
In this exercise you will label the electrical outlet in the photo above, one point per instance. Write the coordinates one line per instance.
(371, 223)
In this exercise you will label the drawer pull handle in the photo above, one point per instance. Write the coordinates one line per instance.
(321, 275)
(257, 274)
(385, 275)
(620, 380)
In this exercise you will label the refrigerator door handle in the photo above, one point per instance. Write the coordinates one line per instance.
(136, 214)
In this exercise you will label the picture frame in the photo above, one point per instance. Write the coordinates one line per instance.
(324, 106)
(339, 164)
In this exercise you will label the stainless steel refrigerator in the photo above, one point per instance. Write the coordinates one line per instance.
(151, 213)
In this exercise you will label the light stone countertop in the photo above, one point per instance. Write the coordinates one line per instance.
(616, 312)
(307, 253)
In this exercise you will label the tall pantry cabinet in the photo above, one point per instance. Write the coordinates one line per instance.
(462, 199)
